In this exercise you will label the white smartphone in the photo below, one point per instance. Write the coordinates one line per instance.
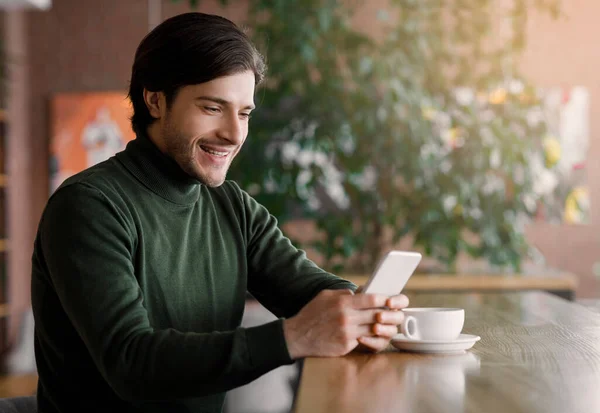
(392, 273)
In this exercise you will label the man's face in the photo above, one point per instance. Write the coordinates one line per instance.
(207, 125)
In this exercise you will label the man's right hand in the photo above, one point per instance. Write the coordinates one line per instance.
(331, 324)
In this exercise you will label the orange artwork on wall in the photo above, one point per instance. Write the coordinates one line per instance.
(86, 128)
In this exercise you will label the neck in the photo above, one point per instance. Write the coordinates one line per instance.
(159, 172)
(154, 133)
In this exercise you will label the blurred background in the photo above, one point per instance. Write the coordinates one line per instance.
(463, 129)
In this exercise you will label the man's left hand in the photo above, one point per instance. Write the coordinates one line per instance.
(385, 325)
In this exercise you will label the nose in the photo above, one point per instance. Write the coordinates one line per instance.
(232, 130)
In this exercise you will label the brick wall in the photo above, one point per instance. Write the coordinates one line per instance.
(88, 45)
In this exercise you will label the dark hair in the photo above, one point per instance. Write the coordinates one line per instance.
(188, 49)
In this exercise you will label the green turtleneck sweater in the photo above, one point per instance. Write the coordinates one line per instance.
(138, 287)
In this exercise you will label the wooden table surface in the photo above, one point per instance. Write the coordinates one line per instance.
(538, 353)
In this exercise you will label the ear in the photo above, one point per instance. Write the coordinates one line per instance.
(155, 102)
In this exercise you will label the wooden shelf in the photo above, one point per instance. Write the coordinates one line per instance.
(565, 282)
(18, 385)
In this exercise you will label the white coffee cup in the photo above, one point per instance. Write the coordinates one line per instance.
(432, 323)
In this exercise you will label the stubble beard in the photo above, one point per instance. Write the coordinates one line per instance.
(184, 153)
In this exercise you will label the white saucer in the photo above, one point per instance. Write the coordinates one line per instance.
(462, 343)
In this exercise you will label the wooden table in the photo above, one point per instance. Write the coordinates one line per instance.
(538, 353)
(563, 284)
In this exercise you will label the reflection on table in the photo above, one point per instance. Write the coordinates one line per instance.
(538, 353)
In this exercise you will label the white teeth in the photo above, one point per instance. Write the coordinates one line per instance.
(216, 153)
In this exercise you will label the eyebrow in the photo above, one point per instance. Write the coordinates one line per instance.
(221, 101)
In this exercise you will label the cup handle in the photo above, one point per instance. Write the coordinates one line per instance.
(410, 328)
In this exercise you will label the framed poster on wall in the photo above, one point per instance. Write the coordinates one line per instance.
(86, 128)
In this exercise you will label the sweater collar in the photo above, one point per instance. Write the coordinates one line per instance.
(159, 173)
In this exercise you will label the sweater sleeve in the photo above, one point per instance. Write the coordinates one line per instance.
(280, 275)
(87, 246)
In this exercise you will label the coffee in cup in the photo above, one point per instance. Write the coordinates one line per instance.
(432, 323)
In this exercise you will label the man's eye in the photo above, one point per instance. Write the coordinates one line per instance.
(245, 115)
(212, 109)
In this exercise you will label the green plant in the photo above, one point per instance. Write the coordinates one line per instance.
(424, 132)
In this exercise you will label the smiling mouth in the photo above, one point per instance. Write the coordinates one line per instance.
(213, 152)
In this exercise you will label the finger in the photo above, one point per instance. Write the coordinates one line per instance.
(364, 301)
(385, 330)
(362, 330)
(397, 302)
(390, 317)
(355, 332)
(360, 317)
(372, 316)
(374, 343)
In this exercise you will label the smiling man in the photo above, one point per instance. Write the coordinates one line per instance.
(205, 127)
(142, 263)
